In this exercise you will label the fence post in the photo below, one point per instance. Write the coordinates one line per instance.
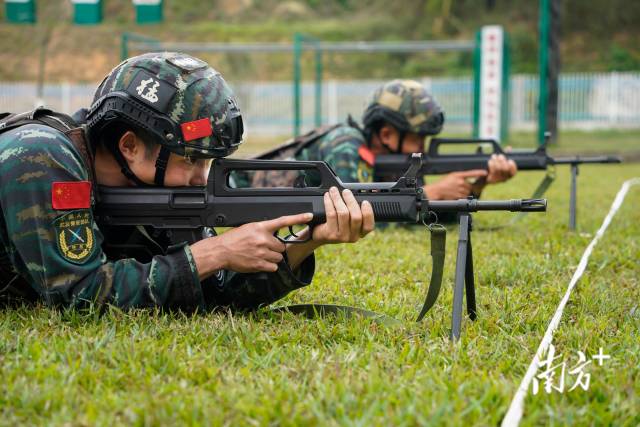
(332, 101)
(297, 51)
(318, 94)
(124, 46)
(66, 97)
(614, 96)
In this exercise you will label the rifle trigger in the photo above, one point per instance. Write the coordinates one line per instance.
(293, 234)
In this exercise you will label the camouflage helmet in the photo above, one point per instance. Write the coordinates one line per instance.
(407, 106)
(179, 101)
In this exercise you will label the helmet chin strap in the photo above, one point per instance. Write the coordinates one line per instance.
(161, 165)
(398, 150)
(124, 167)
(401, 136)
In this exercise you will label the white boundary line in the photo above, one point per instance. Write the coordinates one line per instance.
(514, 414)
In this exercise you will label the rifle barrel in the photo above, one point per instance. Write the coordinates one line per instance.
(577, 160)
(474, 205)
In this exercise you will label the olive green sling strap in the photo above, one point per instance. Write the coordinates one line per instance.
(438, 243)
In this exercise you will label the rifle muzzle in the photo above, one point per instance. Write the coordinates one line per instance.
(475, 205)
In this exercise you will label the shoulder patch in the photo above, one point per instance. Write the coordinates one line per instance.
(366, 155)
(75, 238)
(71, 195)
(364, 172)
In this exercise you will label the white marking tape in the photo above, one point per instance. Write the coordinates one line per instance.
(514, 414)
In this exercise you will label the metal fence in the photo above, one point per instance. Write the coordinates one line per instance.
(587, 101)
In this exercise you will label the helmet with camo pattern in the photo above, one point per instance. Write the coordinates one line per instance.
(407, 106)
(181, 102)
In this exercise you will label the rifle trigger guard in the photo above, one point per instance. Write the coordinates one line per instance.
(293, 234)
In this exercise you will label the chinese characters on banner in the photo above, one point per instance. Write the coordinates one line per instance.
(492, 44)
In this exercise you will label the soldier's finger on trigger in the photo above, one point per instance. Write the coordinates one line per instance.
(471, 180)
(288, 220)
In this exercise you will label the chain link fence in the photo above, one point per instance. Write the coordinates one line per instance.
(587, 101)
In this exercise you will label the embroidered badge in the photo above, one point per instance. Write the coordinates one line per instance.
(151, 90)
(74, 236)
(365, 172)
(148, 89)
(71, 195)
(196, 129)
(367, 155)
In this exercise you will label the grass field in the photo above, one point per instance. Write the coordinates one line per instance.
(147, 368)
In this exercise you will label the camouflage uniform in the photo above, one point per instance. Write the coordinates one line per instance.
(342, 147)
(405, 104)
(56, 252)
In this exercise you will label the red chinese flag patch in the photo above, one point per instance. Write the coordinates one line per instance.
(366, 155)
(196, 129)
(71, 195)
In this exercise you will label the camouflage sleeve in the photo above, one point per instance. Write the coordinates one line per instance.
(58, 251)
(244, 291)
(341, 153)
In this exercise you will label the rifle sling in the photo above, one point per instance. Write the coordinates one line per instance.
(438, 243)
(321, 310)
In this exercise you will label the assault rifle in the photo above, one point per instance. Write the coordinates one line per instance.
(185, 210)
(436, 163)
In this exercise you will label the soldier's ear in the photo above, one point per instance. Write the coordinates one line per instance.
(131, 147)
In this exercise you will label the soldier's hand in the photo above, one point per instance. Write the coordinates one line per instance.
(246, 249)
(347, 221)
(455, 185)
(500, 169)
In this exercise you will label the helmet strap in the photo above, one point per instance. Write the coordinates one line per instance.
(401, 136)
(398, 150)
(124, 167)
(161, 165)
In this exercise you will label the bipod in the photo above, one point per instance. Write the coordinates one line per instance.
(464, 277)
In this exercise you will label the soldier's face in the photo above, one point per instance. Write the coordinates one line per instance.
(184, 171)
(180, 172)
(412, 142)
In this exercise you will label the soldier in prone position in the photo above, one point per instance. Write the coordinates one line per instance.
(398, 119)
(156, 119)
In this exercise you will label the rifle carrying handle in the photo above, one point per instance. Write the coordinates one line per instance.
(435, 144)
